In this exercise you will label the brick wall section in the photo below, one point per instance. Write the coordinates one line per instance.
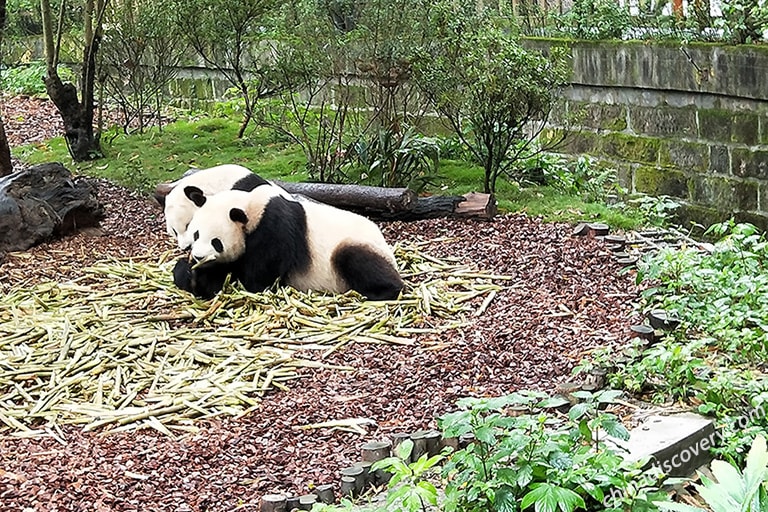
(688, 122)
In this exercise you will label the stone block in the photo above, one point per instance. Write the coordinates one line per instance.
(715, 124)
(689, 156)
(745, 128)
(692, 215)
(631, 148)
(598, 116)
(725, 194)
(657, 181)
(763, 128)
(759, 219)
(678, 443)
(663, 121)
(749, 164)
(763, 197)
(578, 142)
(719, 159)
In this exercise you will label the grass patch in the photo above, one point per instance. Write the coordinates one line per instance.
(141, 161)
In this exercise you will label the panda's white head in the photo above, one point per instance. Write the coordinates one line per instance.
(220, 226)
(179, 210)
(187, 195)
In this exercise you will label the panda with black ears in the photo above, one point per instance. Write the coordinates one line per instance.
(185, 197)
(262, 236)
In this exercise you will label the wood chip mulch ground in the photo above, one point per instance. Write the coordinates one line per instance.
(568, 297)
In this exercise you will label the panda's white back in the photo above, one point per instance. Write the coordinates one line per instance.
(328, 228)
(179, 209)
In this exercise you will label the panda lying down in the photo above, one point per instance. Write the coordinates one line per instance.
(262, 235)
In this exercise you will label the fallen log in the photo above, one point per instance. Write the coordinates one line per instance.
(381, 203)
(470, 206)
(355, 196)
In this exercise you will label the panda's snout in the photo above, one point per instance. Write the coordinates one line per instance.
(198, 262)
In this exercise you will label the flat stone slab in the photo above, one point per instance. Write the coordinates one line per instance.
(678, 443)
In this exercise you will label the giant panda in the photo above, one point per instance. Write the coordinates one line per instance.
(181, 202)
(262, 236)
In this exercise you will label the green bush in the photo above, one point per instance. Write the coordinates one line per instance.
(28, 79)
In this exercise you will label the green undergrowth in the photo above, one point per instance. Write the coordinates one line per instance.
(140, 161)
(715, 360)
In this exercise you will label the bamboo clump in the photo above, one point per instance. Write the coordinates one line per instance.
(121, 347)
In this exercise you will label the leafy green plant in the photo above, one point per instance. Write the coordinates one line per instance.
(584, 177)
(743, 21)
(533, 461)
(409, 488)
(28, 79)
(656, 210)
(494, 93)
(733, 490)
(398, 160)
(598, 19)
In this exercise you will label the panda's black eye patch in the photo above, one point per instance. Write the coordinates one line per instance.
(217, 245)
(196, 235)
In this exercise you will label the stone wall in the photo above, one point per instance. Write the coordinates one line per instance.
(688, 121)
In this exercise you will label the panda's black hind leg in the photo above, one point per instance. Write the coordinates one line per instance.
(367, 272)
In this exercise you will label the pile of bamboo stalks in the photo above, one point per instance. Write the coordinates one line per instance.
(122, 348)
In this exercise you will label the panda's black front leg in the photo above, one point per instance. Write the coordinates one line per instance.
(203, 282)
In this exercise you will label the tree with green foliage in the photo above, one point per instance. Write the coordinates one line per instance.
(316, 107)
(495, 94)
(233, 37)
(76, 112)
(139, 56)
(348, 99)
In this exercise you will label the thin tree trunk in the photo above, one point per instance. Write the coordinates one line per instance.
(82, 142)
(6, 165)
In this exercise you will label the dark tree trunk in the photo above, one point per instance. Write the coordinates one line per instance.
(6, 166)
(82, 142)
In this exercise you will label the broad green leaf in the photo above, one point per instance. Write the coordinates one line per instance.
(579, 410)
(504, 500)
(756, 470)
(403, 450)
(594, 491)
(427, 491)
(677, 507)
(729, 480)
(585, 430)
(614, 428)
(552, 402)
(609, 395)
(485, 435)
(549, 498)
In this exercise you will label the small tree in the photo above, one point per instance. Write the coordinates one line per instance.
(312, 59)
(231, 37)
(495, 94)
(77, 114)
(139, 56)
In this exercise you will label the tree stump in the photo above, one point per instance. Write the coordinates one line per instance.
(42, 202)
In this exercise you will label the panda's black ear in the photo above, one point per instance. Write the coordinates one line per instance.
(238, 215)
(195, 195)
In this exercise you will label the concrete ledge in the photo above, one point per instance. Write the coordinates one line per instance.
(678, 444)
